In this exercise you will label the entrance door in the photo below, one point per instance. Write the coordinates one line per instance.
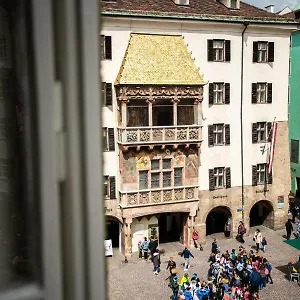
(170, 227)
(113, 232)
(216, 220)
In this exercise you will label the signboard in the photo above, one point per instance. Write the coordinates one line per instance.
(239, 211)
(280, 202)
(108, 248)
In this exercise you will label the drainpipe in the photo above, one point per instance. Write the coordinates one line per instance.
(241, 120)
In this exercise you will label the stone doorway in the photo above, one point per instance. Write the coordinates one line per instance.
(262, 213)
(216, 219)
(172, 227)
(113, 232)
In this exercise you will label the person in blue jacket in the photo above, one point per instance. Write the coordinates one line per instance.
(188, 294)
(186, 253)
(204, 291)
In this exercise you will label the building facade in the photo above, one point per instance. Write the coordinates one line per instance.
(294, 107)
(190, 96)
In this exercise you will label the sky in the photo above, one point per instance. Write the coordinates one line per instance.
(279, 4)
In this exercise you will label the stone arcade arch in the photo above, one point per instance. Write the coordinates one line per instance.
(113, 231)
(262, 213)
(216, 219)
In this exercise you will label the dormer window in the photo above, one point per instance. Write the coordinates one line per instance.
(182, 2)
(233, 4)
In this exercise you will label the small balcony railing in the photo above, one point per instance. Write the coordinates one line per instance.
(157, 196)
(160, 135)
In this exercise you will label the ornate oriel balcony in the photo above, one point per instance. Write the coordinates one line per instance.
(159, 135)
(157, 196)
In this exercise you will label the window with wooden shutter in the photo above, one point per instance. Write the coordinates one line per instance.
(111, 139)
(254, 93)
(269, 133)
(255, 51)
(270, 93)
(227, 134)
(211, 179)
(210, 135)
(254, 133)
(108, 94)
(254, 175)
(112, 187)
(295, 151)
(211, 94)
(227, 93)
(228, 178)
(271, 51)
(210, 54)
(227, 50)
(108, 49)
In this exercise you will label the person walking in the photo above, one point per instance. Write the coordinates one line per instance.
(140, 247)
(289, 228)
(145, 246)
(186, 253)
(195, 237)
(171, 265)
(153, 244)
(257, 239)
(241, 232)
(264, 244)
(156, 262)
(214, 246)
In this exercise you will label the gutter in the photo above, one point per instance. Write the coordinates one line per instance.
(222, 19)
(246, 24)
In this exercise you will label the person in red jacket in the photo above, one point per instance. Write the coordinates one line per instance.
(195, 237)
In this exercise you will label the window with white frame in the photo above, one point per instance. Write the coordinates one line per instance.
(3, 47)
(218, 50)
(2, 129)
(218, 134)
(219, 177)
(261, 173)
(261, 92)
(106, 186)
(261, 131)
(218, 93)
(105, 140)
(3, 168)
(262, 52)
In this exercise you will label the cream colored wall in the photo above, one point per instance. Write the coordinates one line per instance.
(139, 230)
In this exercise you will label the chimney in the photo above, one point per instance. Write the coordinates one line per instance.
(270, 8)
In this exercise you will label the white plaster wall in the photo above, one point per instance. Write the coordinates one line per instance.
(140, 230)
(196, 35)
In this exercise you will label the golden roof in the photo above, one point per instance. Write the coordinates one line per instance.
(158, 59)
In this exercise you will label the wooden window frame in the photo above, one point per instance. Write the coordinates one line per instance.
(218, 51)
(219, 131)
(219, 174)
(261, 169)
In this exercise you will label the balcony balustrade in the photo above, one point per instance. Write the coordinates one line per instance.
(160, 135)
(157, 196)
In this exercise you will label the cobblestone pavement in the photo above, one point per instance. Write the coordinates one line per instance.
(135, 280)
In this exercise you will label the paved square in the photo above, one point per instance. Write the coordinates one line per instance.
(135, 280)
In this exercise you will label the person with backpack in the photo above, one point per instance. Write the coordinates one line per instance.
(269, 268)
(174, 286)
(153, 244)
(145, 246)
(203, 292)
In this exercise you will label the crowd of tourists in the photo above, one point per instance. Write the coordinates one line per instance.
(235, 274)
(238, 274)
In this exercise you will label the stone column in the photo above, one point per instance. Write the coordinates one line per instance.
(150, 110)
(175, 102)
(198, 103)
(128, 237)
(124, 111)
(191, 227)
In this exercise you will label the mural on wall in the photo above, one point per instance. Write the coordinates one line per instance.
(179, 159)
(142, 160)
(191, 164)
(128, 167)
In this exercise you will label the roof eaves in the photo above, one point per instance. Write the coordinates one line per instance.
(216, 18)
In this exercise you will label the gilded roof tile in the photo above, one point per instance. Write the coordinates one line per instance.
(158, 60)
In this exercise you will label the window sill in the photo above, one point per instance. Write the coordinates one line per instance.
(219, 188)
(219, 104)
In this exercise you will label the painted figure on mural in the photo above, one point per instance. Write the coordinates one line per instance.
(191, 164)
(128, 167)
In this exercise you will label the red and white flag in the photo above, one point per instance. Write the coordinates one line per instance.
(272, 147)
